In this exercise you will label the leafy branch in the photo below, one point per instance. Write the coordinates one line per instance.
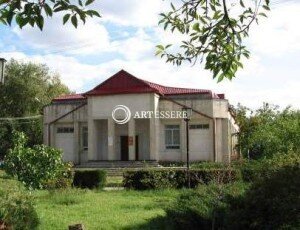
(33, 12)
(214, 31)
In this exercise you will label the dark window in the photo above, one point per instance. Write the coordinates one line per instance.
(199, 126)
(65, 130)
(172, 136)
(85, 140)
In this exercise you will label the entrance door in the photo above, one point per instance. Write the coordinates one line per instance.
(124, 148)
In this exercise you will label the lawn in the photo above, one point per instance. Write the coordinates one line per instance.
(121, 209)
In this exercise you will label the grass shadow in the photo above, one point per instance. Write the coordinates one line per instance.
(160, 222)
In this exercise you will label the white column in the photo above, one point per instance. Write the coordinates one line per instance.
(111, 139)
(91, 139)
(154, 138)
(131, 139)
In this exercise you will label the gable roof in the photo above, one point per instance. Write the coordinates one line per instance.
(124, 83)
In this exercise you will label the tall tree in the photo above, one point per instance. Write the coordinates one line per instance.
(215, 31)
(268, 130)
(28, 87)
(33, 12)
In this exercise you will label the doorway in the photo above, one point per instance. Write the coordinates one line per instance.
(124, 148)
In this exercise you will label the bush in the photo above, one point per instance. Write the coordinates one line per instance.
(17, 210)
(33, 166)
(254, 170)
(175, 178)
(271, 203)
(89, 179)
(203, 208)
(208, 165)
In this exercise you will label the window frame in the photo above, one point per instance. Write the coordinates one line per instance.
(172, 128)
(199, 126)
(84, 130)
(65, 129)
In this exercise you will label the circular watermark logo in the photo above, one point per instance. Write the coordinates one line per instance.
(123, 108)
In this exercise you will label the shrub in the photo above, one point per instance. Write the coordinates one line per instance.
(204, 207)
(254, 170)
(208, 165)
(17, 210)
(271, 203)
(33, 166)
(89, 179)
(175, 178)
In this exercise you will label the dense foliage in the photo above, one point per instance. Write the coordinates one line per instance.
(33, 12)
(267, 131)
(272, 202)
(172, 178)
(28, 87)
(89, 178)
(213, 30)
(204, 207)
(34, 166)
(16, 207)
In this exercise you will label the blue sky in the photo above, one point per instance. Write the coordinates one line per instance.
(126, 36)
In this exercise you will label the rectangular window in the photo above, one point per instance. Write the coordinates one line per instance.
(65, 130)
(85, 138)
(172, 136)
(199, 126)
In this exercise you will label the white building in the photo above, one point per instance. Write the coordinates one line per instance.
(82, 125)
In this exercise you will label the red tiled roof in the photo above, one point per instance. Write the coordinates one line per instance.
(73, 97)
(125, 83)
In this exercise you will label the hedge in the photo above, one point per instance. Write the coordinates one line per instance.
(89, 179)
(176, 178)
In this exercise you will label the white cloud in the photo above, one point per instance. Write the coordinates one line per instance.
(58, 38)
(138, 46)
(132, 12)
(279, 33)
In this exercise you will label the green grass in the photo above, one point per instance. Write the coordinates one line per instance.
(103, 209)
(98, 209)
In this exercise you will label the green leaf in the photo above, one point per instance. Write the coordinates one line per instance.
(66, 18)
(88, 2)
(263, 14)
(40, 22)
(48, 10)
(9, 17)
(242, 3)
(161, 47)
(196, 27)
(266, 7)
(74, 21)
(93, 13)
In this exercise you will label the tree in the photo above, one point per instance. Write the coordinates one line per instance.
(34, 166)
(33, 12)
(268, 131)
(215, 31)
(28, 87)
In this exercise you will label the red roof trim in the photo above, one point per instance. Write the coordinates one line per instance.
(125, 83)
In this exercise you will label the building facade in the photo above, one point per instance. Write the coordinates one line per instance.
(92, 126)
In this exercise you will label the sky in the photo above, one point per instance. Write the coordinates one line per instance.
(125, 38)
